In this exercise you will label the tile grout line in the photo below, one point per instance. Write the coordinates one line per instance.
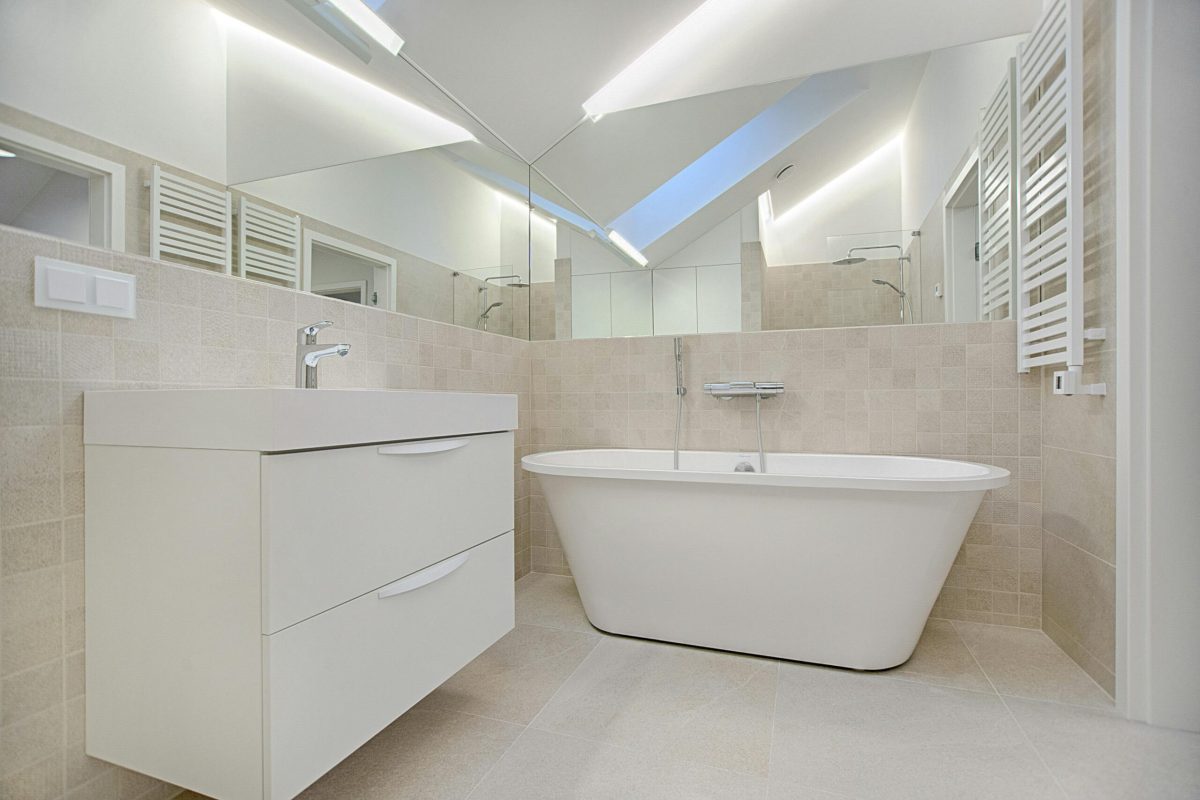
(1013, 717)
(529, 724)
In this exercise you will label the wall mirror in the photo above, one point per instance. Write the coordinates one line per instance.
(272, 143)
(482, 177)
(875, 194)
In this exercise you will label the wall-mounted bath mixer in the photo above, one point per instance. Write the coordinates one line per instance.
(759, 390)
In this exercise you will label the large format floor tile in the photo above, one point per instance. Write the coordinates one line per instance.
(546, 766)
(941, 658)
(424, 755)
(1096, 754)
(867, 737)
(550, 601)
(515, 677)
(700, 706)
(1027, 663)
(557, 710)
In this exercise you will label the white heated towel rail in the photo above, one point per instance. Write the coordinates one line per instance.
(1050, 197)
(190, 223)
(997, 201)
(268, 243)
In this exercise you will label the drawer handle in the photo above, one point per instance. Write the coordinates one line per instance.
(433, 446)
(425, 576)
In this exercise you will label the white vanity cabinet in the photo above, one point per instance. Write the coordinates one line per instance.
(274, 575)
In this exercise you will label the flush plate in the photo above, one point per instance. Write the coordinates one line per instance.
(88, 290)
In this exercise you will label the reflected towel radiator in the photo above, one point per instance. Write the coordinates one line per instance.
(268, 244)
(997, 199)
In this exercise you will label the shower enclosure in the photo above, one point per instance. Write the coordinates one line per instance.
(871, 278)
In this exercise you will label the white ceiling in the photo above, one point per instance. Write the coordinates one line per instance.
(848, 133)
(610, 165)
(676, 78)
(730, 43)
(526, 66)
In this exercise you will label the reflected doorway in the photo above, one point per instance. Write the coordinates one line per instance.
(344, 271)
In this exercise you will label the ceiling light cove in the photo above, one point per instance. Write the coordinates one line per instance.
(626, 248)
(703, 33)
(362, 17)
(856, 172)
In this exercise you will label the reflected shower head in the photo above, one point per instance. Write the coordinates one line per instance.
(850, 258)
(881, 282)
(516, 284)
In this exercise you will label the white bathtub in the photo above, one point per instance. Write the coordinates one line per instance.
(833, 559)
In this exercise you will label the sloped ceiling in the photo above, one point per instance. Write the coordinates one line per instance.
(842, 138)
(676, 80)
(610, 165)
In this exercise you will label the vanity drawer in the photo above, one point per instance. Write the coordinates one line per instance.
(334, 681)
(339, 523)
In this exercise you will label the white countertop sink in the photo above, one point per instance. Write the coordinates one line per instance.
(273, 420)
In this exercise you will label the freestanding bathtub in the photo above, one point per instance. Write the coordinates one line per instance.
(833, 559)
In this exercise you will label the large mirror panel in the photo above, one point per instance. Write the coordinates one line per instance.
(844, 198)
(269, 140)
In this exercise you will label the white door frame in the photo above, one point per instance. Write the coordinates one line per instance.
(1158, 366)
(106, 182)
(389, 263)
(969, 162)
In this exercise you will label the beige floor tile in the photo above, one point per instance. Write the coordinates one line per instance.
(1097, 755)
(515, 677)
(697, 705)
(785, 790)
(1027, 663)
(942, 659)
(545, 766)
(861, 736)
(552, 602)
(424, 755)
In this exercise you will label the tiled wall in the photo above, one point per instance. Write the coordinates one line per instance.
(938, 390)
(541, 311)
(193, 329)
(1079, 449)
(830, 296)
(754, 270)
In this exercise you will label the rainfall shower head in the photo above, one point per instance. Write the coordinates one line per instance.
(850, 258)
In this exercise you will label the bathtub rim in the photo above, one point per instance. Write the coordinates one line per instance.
(992, 477)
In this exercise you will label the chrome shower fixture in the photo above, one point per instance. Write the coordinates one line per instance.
(516, 284)
(882, 282)
(850, 258)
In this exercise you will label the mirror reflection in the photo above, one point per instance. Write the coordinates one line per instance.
(850, 197)
(283, 146)
(276, 147)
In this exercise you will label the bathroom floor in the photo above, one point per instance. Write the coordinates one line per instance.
(557, 709)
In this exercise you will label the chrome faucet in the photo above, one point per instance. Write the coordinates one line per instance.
(308, 353)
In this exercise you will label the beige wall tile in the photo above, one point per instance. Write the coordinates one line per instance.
(1079, 595)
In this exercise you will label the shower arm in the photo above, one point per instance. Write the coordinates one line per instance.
(901, 257)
